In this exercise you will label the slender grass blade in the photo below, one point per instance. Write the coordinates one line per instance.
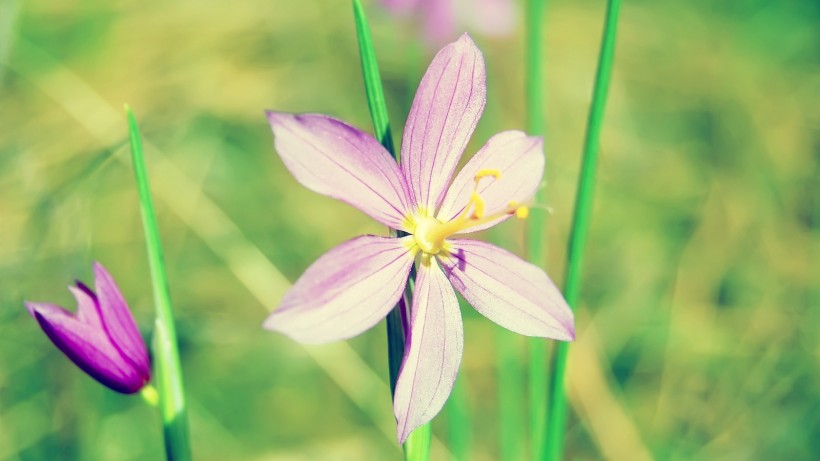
(557, 406)
(166, 355)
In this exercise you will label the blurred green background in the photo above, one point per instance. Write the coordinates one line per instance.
(698, 329)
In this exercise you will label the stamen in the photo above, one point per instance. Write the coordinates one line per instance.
(479, 205)
(520, 212)
(496, 174)
(475, 199)
(430, 234)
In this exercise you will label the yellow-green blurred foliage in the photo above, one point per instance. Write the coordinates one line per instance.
(698, 328)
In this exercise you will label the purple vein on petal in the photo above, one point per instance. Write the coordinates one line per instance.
(433, 155)
(119, 322)
(343, 167)
(511, 292)
(520, 160)
(444, 114)
(460, 120)
(432, 358)
(88, 347)
(335, 159)
(341, 314)
(416, 179)
(347, 290)
(473, 123)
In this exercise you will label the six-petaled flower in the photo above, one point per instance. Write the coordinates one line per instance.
(355, 285)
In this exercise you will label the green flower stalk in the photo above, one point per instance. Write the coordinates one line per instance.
(556, 419)
(536, 247)
(417, 445)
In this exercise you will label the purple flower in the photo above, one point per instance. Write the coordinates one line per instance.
(101, 338)
(440, 19)
(356, 284)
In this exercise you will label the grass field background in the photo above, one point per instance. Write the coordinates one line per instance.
(698, 326)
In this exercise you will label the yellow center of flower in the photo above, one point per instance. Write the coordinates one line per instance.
(430, 234)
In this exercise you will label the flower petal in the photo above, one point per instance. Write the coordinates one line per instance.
(508, 290)
(335, 159)
(346, 291)
(520, 160)
(448, 104)
(431, 361)
(118, 321)
(88, 307)
(88, 347)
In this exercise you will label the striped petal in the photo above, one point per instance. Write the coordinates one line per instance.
(333, 158)
(346, 291)
(431, 361)
(88, 347)
(446, 109)
(520, 161)
(508, 290)
(118, 321)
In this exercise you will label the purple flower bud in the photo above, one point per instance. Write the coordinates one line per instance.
(101, 337)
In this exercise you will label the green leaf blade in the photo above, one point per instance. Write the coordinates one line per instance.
(167, 367)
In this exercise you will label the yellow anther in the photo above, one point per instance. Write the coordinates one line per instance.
(522, 212)
(479, 206)
(487, 172)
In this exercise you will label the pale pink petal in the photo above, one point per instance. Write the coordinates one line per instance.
(448, 104)
(335, 159)
(118, 321)
(431, 361)
(508, 290)
(520, 160)
(491, 17)
(346, 291)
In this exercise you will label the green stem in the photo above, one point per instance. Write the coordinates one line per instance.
(166, 356)
(373, 81)
(580, 227)
(510, 385)
(458, 421)
(536, 247)
(417, 446)
(538, 395)
(535, 67)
